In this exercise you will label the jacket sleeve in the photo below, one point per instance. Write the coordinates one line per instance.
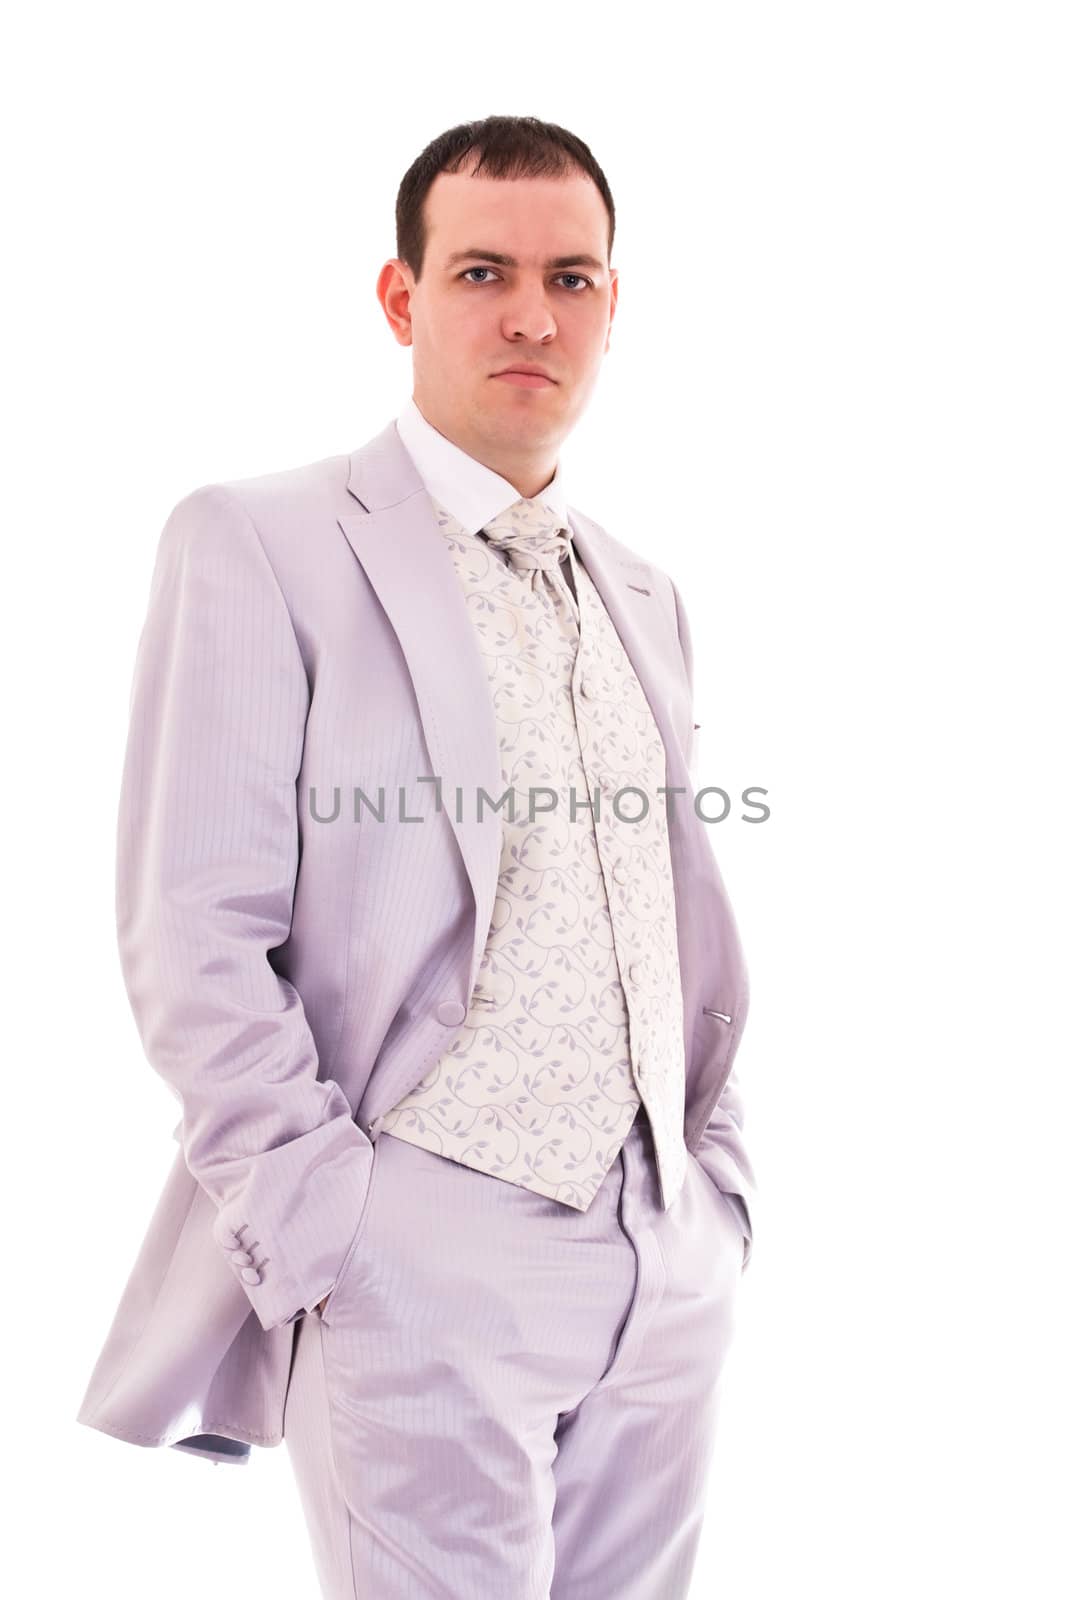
(206, 864)
(721, 1151)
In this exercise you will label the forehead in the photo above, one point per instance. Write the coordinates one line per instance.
(530, 219)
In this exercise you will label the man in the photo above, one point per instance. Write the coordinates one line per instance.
(420, 923)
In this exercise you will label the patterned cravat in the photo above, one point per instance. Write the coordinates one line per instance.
(535, 541)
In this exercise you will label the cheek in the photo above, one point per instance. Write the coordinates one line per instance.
(455, 327)
(591, 344)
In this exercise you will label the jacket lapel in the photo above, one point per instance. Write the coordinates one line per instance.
(397, 540)
(627, 589)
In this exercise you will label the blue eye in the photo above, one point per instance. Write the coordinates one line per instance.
(577, 275)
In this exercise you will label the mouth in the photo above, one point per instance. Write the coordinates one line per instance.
(524, 378)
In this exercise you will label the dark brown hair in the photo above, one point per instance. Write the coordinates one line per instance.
(506, 147)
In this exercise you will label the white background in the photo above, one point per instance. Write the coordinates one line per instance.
(835, 409)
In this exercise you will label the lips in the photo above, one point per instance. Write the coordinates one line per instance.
(526, 380)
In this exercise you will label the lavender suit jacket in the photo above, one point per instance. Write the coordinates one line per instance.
(292, 978)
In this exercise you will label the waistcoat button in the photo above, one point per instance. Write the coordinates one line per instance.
(450, 1012)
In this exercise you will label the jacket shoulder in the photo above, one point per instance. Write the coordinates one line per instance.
(296, 490)
(285, 511)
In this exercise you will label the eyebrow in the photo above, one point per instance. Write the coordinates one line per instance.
(559, 263)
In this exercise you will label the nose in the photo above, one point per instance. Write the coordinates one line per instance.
(529, 316)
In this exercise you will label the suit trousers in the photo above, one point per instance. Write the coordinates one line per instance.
(509, 1399)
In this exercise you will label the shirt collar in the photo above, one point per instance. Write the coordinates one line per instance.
(465, 487)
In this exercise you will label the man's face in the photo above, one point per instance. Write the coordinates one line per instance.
(470, 316)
